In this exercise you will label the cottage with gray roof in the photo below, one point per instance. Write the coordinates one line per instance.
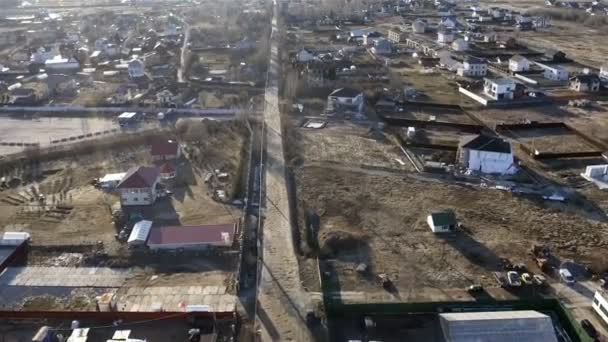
(486, 154)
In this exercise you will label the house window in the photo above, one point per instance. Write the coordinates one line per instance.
(145, 199)
(135, 199)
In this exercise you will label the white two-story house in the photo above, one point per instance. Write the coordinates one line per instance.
(499, 89)
(486, 154)
(138, 186)
(473, 67)
(519, 63)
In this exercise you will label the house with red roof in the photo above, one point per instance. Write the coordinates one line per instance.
(166, 150)
(138, 186)
(167, 171)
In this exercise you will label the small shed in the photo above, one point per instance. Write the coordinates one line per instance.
(127, 117)
(14, 238)
(442, 221)
(140, 233)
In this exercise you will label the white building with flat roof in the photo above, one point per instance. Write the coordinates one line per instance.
(497, 326)
(499, 89)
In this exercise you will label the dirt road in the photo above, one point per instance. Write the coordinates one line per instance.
(282, 301)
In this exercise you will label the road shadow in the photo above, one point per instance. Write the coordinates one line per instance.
(290, 301)
(268, 325)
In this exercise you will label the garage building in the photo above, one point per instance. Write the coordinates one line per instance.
(497, 326)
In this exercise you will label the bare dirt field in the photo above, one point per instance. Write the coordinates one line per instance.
(346, 144)
(577, 41)
(553, 140)
(43, 130)
(494, 116)
(414, 112)
(432, 85)
(380, 220)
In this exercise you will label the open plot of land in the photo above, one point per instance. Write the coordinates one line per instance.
(553, 139)
(432, 85)
(576, 40)
(348, 144)
(380, 220)
(494, 116)
(436, 114)
(44, 130)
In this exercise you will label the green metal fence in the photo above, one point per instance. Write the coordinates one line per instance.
(336, 308)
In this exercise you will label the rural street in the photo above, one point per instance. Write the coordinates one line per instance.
(209, 113)
(282, 302)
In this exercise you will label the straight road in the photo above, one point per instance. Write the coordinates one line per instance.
(209, 113)
(282, 302)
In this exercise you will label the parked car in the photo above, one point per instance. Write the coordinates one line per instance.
(526, 278)
(501, 279)
(566, 276)
(539, 280)
(475, 288)
(589, 328)
(514, 279)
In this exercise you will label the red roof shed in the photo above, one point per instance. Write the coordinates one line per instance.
(173, 237)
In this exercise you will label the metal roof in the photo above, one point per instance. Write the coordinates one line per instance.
(192, 235)
(497, 326)
(140, 232)
(491, 315)
(164, 148)
(139, 178)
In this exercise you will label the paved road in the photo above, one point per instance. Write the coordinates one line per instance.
(210, 113)
(282, 303)
(182, 59)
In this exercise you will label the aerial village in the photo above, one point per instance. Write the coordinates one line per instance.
(319, 170)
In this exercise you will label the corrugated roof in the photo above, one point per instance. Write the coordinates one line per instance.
(139, 177)
(497, 326)
(203, 234)
(491, 315)
(140, 231)
(164, 148)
